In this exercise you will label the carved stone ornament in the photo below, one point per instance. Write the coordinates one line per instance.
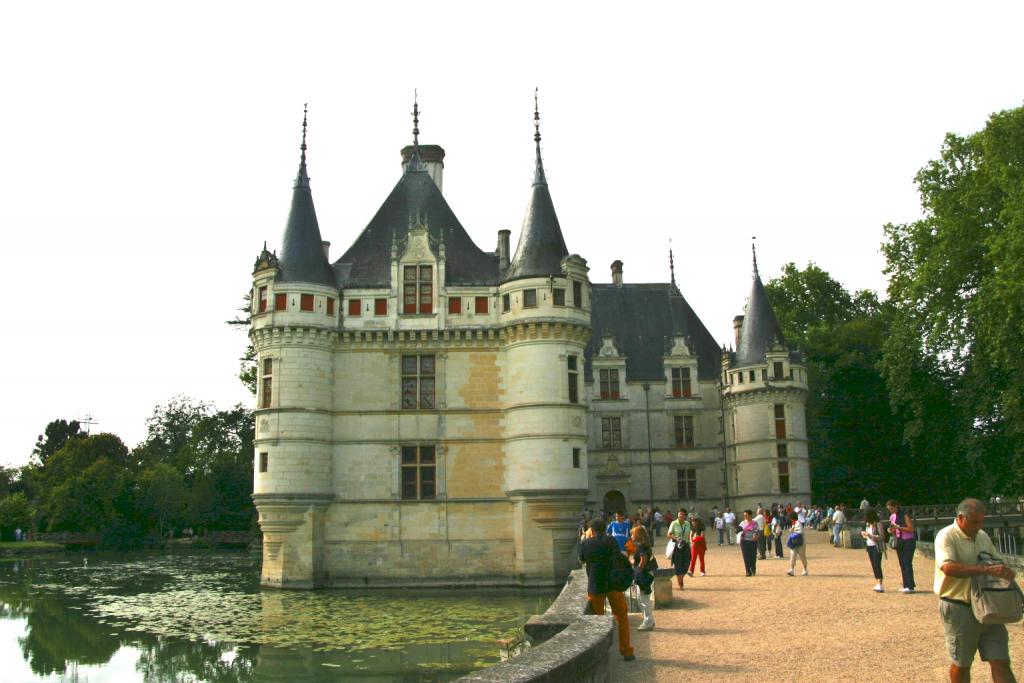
(679, 347)
(608, 348)
(265, 260)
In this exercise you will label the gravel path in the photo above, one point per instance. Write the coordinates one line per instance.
(828, 626)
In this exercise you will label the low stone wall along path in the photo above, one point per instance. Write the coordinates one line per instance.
(828, 626)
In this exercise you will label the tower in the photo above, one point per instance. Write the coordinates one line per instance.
(764, 391)
(545, 320)
(294, 328)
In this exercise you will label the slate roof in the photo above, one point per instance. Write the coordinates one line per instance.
(643, 319)
(541, 246)
(367, 263)
(302, 253)
(760, 328)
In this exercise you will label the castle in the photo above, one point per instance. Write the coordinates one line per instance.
(430, 413)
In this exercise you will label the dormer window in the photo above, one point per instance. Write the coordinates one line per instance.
(609, 384)
(682, 386)
(418, 290)
(777, 370)
(529, 298)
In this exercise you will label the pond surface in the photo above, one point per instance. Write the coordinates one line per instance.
(186, 618)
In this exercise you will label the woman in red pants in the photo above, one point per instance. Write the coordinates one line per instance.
(698, 545)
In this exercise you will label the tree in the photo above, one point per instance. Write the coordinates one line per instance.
(53, 438)
(247, 363)
(957, 287)
(88, 501)
(162, 492)
(15, 513)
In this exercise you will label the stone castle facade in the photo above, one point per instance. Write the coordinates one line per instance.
(430, 413)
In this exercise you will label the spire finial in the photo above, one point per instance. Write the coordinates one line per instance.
(415, 119)
(302, 179)
(305, 111)
(671, 262)
(538, 174)
(753, 249)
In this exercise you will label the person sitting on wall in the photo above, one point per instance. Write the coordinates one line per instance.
(596, 552)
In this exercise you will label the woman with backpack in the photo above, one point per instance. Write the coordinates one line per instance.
(797, 545)
(644, 565)
(874, 541)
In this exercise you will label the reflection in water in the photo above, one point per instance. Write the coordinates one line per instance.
(203, 617)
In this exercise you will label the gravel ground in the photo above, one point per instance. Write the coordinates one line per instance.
(828, 626)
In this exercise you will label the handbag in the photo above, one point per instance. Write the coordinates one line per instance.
(995, 600)
(795, 540)
(669, 549)
(620, 576)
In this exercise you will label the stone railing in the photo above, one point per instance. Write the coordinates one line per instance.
(568, 643)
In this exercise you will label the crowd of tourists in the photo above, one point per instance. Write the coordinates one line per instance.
(761, 534)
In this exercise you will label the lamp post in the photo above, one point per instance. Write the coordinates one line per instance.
(650, 467)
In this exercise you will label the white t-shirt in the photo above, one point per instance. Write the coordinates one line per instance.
(760, 522)
(801, 514)
(838, 517)
(729, 517)
(719, 523)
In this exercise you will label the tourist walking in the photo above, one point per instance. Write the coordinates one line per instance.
(838, 522)
(596, 552)
(874, 541)
(748, 542)
(644, 565)
(902, 528)
(778, 531)
(698, 546)
(797, 545)
(759, 519)
(679, 532)
(720, 528)
(729, 518)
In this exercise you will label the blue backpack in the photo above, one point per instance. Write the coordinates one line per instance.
(795, 540)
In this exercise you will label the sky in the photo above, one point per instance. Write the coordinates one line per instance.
(148, 150)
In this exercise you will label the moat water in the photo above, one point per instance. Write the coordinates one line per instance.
(135, 617)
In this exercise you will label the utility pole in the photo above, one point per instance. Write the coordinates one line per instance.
(650, 466)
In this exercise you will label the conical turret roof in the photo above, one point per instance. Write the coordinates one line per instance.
(541, 246)
(302, 253)
(760, 330)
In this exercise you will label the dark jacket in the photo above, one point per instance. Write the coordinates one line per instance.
(597, 554)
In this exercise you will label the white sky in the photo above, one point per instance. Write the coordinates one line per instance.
(148, 150)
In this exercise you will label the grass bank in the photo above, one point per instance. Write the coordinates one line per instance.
(29, 547)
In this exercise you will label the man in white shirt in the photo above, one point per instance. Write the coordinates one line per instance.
(957, 554)
(801, 513)
(730, 525)
(838, 522)
(759, 519)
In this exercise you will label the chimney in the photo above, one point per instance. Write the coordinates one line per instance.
(617, 272)
(503, 236)
(737, 325)
(432, 157)
(327, 250)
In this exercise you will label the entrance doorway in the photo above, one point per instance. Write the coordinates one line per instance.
(614, 502)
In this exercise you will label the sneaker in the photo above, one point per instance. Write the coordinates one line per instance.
(690, 574)
(803, 573)
(703, 574)
(789, 572)
(906, 590)
(878, 589)
(645, 627)
(628, 658)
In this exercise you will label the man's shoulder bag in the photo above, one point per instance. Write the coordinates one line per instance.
(620, 576)
(995, 600)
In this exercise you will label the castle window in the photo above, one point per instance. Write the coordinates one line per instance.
(574, 395)
(777, 370)
(780, 421)
(330, 305)
(739, 377)
(305, 302)
(418, 290)
(267, 383)
(355, 307)
(764, 374)
(611, 432)
(262, 300)
(751, 375)
(280, 302)
(529, 298)
(681, 386)
(380, 306)
(264, 458)
(575, 458)
(782, 451)
(419, 473)
(683, 431)
(454, 305)
(418, 382)
(783, 476)
(609, 384)
(686, 483)
(480, 306)
(506, 303)
(558, 297)
(577, 294)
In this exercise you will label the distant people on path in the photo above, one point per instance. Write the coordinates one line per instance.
(619, 530)
(679, 532)
(658, 521)
(698, 546)
(720, 528)
(957, 550)
(778, 531)
(901, 525)
(838, 522)
(797, 544)
(596, 552)
(644, 565)
(748, 542)
(760, 521)
(729, 518)
(864, 504)
(874, 541)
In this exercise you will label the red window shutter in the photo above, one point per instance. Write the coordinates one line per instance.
(306, 302)
(263, 300)
(280, 302)
(481, 305)
(454, 305)
(380, 306)
(330, 305)
(355, 307)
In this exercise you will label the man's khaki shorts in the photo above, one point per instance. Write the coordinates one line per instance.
(965, 636)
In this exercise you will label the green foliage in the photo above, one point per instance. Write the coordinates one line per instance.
(162, 493)
(957, 287)
(247, 363)
(15, 513)
(53, 438)
(90, 501)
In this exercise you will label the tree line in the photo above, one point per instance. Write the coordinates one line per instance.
(194, 469)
